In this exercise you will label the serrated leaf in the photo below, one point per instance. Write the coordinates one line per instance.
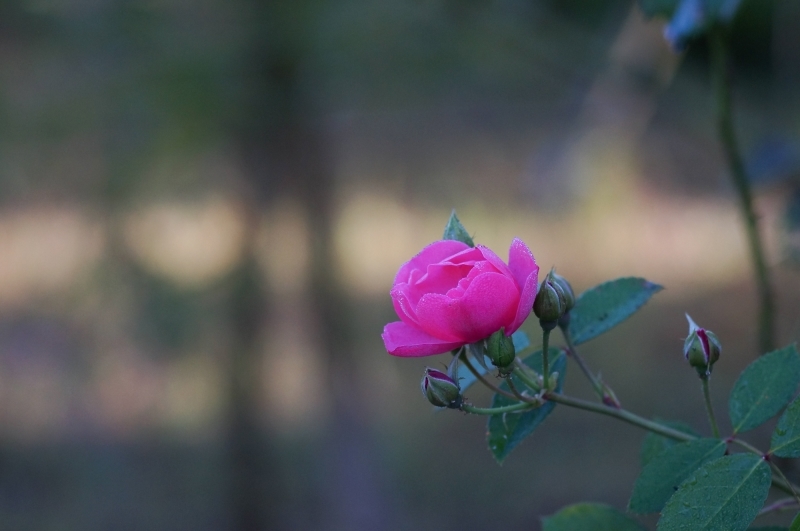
(602, 307)
(722, 495)
(659, 479)
(590, 517)
(763, 388)
(654, 444)
(786, 437)
(521, 341)
(454, 230)
(506, 431)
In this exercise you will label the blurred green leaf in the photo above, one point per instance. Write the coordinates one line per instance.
(763, 388)
(722, 495)
(654, 444)
(658, 8)
(454, 230)
(786, 437)
(659, 479)
(521, 341)
(506, 431)
(795, 523)
(590, 517)
(603, 307)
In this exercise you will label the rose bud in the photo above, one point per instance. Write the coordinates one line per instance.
(451, 295)
(569, 298)
(500, 349)
(701, 348)
(550, 303)
(440, 389)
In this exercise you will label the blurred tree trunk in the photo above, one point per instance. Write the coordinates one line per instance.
(287, 158)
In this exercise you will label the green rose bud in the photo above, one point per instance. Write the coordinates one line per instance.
(701, 348)
(550, 303)
(440, 389)
(500, 349)
(566, 289)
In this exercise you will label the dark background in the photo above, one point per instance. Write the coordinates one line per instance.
(203, 204)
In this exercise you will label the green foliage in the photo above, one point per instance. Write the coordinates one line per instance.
(722, 495)
(659, 479)
(763, 388)
(465, 376)
(658, 8)
(590, 517)
(521, 341)
(770, 528)
(653, 444)
(786, 437)
(795, 523)
(454, 230)
(506, 431)
(603, 307)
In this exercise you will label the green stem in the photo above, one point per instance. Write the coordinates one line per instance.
(496, 410)
(780, 505)
(621, 414)
(484, 381)
(598, 387)
(545, 357)
(631, 418)
(522, 375)
(722, 86)
(709, 409)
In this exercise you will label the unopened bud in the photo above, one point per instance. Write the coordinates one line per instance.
(566, 289)
(701, 348)
(550, 303)
(500, 349)
(440, 389)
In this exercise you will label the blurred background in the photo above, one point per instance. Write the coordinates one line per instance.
(203, 205)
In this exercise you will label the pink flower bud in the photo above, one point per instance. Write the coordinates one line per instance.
(440, 389)
(701, 348)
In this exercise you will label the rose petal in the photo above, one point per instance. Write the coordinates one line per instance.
(488, 304)
(521, 262)
(403, 306)
(401, 339)
(523, 267)
(431, 254)
(495, 260)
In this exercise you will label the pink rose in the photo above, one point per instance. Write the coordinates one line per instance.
(452, 294)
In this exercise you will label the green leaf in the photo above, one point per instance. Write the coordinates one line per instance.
(454, 230)
(465, 376)
(506, 431)
(603, 307)
(521, 341)
(786, 437)
(795, 523)
(763, 388)
(654, 444)
(722, 495)
(590, 517)
(659, 479)
(658, 8)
